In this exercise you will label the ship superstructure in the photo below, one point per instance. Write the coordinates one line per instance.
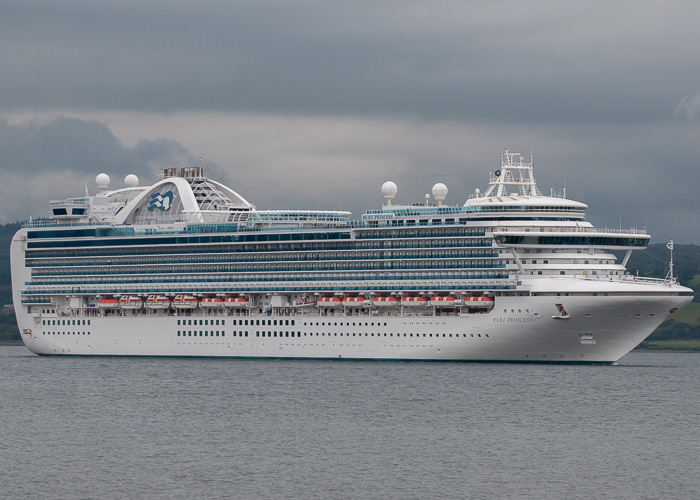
(188, 267)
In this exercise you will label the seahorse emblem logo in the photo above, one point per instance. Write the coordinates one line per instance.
(161, 201)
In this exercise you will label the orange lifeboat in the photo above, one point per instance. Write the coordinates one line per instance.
(108, 303)
(131, 302)
(303, 302)
(330, 302)
(235, 302)
(185, 301)
(157, 302)
(212, 302)
(479, 302)
(444, 301)
(354, 301)
(414, 301)
(385, 302)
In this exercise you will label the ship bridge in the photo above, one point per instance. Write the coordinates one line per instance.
(513, 194)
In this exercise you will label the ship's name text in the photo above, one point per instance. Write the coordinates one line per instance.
(513, 320)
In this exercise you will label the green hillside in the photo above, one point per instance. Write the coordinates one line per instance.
(8, 324)
(7, 231)
(652, 262)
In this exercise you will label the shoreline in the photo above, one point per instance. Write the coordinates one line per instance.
(691, 351)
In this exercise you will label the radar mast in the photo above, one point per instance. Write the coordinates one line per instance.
(515, 177)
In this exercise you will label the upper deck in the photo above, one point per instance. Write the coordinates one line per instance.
(184, 201)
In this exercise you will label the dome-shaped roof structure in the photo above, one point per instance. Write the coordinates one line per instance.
(389, 190)
(102, 180)
(131, 181)
(439, 192)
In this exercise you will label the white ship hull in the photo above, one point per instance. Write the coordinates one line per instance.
(612, 328)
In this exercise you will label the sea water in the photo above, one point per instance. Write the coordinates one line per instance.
(167, 428)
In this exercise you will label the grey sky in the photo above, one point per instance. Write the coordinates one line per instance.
(282, 97)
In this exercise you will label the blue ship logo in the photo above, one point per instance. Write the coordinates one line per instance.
(161, 201)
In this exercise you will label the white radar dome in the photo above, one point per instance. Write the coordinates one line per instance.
(389, 190)
(102, 181)
(439, 192)
(131, 181)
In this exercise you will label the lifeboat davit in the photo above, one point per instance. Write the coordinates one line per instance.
(157, 302)
(330, 302)
(212, 302)
(108, 303)
(185, 301)
(482, 302)
(235, 302)
(385, 302)
(131, 302)
(414, 301)
(444, 301)
(354, 301)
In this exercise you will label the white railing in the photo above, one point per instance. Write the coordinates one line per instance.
(538, 230)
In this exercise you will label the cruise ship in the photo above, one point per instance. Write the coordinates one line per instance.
(188, 267)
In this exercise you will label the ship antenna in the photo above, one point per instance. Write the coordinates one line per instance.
(564, 185)
(669, 276)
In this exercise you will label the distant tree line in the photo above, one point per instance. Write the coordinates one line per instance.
(8, 323)
(8, 326)
(676, 330)
(7, 231)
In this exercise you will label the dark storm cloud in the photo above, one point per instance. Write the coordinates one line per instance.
(606, 93)
(76, 145)
(517, 61)
(51, 159)
(160, 153)
(60, 144)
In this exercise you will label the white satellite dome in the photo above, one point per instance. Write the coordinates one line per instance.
(389, 190)
(439, 192)
(102, 181)
(131, 181)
